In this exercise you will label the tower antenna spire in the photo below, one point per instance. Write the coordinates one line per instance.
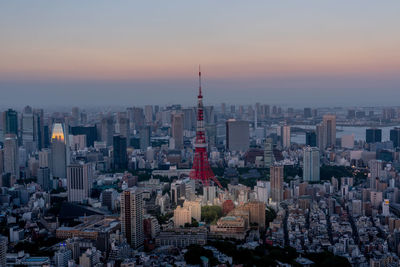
(199, 80)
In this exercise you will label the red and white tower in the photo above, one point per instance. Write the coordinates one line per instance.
(201, 167)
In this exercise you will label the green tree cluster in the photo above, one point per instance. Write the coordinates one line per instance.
(210, 214)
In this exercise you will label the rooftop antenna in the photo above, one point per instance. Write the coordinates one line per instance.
(199, 80)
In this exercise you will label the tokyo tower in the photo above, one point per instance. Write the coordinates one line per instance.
(201, 167)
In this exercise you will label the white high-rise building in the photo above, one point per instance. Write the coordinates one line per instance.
(195, 208)
(385, 207)
(132, 217)
(62, 256)
(311, 164)
(209, 193)
(263, 189)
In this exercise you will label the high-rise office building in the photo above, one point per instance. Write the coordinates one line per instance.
(311, 164)
(145, 137)
(123, 128)
(311, 139)
(285, 136)
(148, 114)
(189, 119)
(307, 113)
(211, 135)
(107, 130)
(43, 178)
(45, 158)
(373, 135)
(59, 151)
(108, 198)
(79, 181)
(395, 137)
(276, 179)
(89, 131)
(237, 135)
(11, 158)
(329, 122)
(27, 130)
(268, 153)
(119, 153)
(177, 129)
(209, 115)
(132, 217)
(138, 118)
(223, 108)
(75, 116)
(10, 122)
(38, 120)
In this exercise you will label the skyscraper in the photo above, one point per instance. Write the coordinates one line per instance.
(189, 119)
(311, 139)
(10, 122)
(75, 116)
(145, 137)
(107, 130)
(79, 181)
(320, 133)
(329, 122)
(177, 129)
(38, 119)
(276, 179)
(11, 159)
(123, 127)
(268, 153)
(148, 114)
(373, 135)
(27, 130)
(395, 137)
(132, 217)
(285, 136)
(307, 113)
(119, 153)
(237, 135)
(311, 165)
(43, 178)
(59, 152)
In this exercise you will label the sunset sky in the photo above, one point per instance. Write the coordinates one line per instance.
(137, 52)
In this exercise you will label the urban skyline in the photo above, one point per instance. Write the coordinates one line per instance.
(117, 149)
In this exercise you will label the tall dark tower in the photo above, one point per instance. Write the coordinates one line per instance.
(201, 167)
